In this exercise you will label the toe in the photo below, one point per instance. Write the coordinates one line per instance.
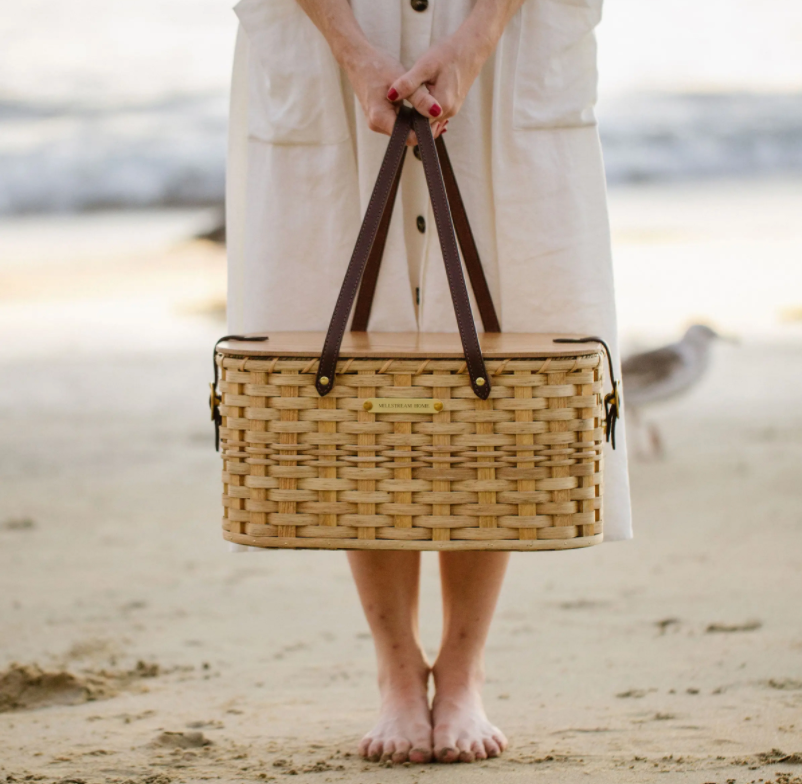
(364, 745)
(447, 754)
(478, 749)
(401, 753)
(465, 752)
(421, 755)
(500, 738)
(491, 747)
(388, 749)
(375, 750)
(445, 743)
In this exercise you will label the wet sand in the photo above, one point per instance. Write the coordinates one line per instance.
(148, 654)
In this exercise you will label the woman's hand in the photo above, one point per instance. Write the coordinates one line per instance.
(370, 71)
(439, 81)
(450, 67)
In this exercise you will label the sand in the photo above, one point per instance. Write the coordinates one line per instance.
(135, 649)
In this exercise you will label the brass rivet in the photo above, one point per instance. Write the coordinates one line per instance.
(324, 380)
(367, 405)
(480, 382)
(438, 406)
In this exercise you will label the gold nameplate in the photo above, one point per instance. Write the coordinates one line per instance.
(402, 405)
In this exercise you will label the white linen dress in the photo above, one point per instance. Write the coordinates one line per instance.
(525, 148)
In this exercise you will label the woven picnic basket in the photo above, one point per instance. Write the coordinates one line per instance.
(412, 440)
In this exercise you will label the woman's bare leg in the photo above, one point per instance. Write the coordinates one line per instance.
(471, 585)
(388, 585)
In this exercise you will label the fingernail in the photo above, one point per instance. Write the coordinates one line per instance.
(445, 130)
(393, 94)
(435, 111)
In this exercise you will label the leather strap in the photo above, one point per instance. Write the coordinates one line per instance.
(480, 382)
(370, 277)
(467, 243)
(388, 174)
(370, 231)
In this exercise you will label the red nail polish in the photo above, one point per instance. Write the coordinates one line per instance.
(393, 94)
(435, 111)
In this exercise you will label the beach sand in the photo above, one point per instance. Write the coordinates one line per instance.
(134, 648)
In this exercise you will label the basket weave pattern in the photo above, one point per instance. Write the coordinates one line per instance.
(521, 470)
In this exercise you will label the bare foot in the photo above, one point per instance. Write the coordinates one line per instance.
(461, 730)
(404, 729)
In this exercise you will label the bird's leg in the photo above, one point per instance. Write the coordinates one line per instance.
(656, 441)
(635, 431)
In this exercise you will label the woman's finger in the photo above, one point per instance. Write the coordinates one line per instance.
(422, 100)
(412, 87)
(381, 118)
(407, 83)
(439, 128)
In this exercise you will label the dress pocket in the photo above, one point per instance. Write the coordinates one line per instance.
(555, 70)
(295, 94)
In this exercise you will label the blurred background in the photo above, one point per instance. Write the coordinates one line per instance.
(113, 135)
(112, 164)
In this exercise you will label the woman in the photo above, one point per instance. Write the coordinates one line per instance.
(316, 87)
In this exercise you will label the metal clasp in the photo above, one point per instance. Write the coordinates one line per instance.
(214, 401)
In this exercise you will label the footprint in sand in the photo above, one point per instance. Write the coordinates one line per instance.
(28, 686)
(784, 684)
(18, 524)
(182, 740)
(729, 628)
(634, 694)
(212, 724)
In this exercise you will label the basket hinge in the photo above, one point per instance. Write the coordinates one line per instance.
(612, 400)
(215, 398)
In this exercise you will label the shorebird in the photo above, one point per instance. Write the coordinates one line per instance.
(664, 373)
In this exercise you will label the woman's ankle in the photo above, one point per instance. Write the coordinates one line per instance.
(403, 672)
(458, 673)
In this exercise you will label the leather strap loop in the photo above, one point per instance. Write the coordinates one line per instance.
(374, 230)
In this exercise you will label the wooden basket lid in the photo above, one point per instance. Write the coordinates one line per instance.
(411, 345)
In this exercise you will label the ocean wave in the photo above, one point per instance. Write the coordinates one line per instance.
(701, 136)
(171, 151)
(72, 158)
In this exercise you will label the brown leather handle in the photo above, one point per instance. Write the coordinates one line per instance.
(467, 244)
(477, 372)
(391, 165)
(370, 277)
(383, 191)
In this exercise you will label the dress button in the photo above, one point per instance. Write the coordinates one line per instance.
(419, 5)
(421, 223)
(416, 151)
